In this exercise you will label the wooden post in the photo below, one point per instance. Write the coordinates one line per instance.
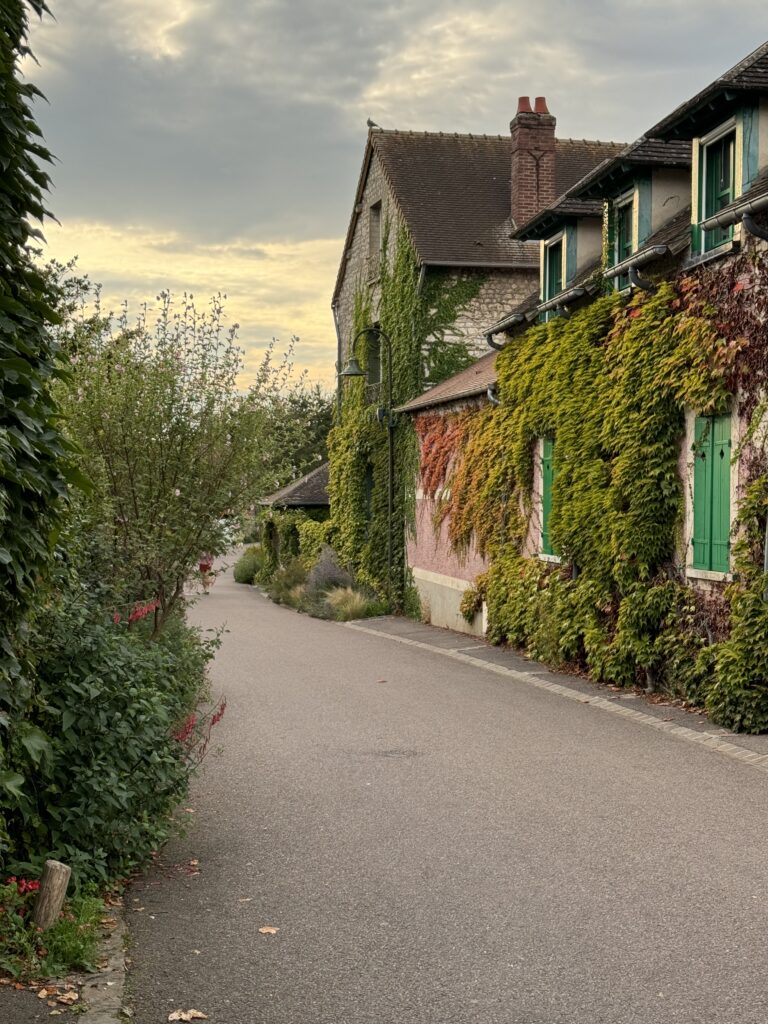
(53, 889)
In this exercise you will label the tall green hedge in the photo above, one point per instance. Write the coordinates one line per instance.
(33, 469)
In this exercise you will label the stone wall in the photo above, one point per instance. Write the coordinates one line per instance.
(502, 290)
(361, 269)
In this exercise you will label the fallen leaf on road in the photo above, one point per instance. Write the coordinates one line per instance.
(381, 680)
(267, 930)
(55, 1013)
(246, 899)
(187, 1015)
(194, 863)
(43, 993)
(108, 922)
(68, 997)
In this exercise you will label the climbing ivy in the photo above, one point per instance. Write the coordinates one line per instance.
(418, 316)
(612, 384)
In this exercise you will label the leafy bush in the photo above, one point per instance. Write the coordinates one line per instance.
(285, 579)
(71, 943)
(737, 697)
(248, 564)
(103, 742)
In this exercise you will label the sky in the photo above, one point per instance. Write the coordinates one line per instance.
(214, 146)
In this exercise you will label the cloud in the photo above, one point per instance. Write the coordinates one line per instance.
(209, 144)
(284, 293)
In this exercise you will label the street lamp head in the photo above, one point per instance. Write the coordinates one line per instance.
(352, 369)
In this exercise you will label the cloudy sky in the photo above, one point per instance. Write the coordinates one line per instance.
(214, 145)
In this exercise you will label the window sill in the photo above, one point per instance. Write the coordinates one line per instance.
(708, 574)
(554, 559)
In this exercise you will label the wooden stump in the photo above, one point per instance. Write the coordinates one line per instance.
(53, 889)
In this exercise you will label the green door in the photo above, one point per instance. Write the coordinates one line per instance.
(712, 493)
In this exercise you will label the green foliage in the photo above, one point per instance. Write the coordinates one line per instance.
(738, 698)
(248, 564)
(418, 322)
(172, 445)
(611, 385)
(286, 580)
(33, 456)
(313, 535)
(70, 944)
(347, 603)
(99, 739)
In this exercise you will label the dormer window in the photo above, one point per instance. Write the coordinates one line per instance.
(717, 182)
(553, 271)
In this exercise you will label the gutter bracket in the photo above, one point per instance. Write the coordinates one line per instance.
(493, 344)
(640, 282)
(753, 227)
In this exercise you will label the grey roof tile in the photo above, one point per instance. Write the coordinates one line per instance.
(310, 490)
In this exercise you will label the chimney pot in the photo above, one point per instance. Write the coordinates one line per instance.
(541, 105)
(524, 105)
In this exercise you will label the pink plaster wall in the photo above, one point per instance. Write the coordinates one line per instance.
(431, 550)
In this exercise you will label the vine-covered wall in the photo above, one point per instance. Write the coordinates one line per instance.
(417, 314)
(612, 385)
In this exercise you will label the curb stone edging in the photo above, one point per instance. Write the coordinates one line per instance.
(702, 739)
(104, 992)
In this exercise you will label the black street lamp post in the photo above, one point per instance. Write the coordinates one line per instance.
(385, 415)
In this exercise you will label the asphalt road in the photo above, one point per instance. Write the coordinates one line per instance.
(438, 844)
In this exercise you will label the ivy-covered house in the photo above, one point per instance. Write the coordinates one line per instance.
(429, 259)
(614, 479)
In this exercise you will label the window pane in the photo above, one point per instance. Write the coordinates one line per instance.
(623, 239)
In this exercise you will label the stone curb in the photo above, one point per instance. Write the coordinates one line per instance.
(104, 992)
(702, 739)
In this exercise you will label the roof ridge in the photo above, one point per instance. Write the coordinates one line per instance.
(744, 63)
(591, 142)
(423, 133)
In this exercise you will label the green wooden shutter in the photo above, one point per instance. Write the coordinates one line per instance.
(702, 493)
(610, 234)
(547, 479)
(712, 493)
(721, 493)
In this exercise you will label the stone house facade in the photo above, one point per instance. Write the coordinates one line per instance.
(687, 201)
(460, 198)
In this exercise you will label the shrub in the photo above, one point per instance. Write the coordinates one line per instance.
(286, 579)
(248, 564)
(327, 574)
(345, 603)
(102, 742)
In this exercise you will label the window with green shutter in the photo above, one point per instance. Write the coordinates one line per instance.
(717, 185)
(712, 493)
(547, 479)
(553, 272)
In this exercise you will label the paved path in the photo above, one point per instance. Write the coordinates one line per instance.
(437, 843)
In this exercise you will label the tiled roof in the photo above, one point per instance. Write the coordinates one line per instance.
(475, 380)
(646, 152)
(756, 190)
(546, 221)
(310, 490)
(576, 157)
(454, 193)
(676, 233)
(749, 75)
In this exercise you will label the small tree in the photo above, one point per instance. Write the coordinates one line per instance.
(174, 447)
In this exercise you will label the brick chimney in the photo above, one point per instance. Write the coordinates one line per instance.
(533, 159)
